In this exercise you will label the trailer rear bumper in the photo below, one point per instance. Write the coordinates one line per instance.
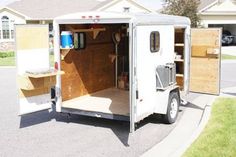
(95, 114)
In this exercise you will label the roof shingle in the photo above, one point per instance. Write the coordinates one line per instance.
(49, 9)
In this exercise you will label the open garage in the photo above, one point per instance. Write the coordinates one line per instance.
(221, 14)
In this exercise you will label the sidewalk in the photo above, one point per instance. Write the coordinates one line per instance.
(229, 50)
(189, 128)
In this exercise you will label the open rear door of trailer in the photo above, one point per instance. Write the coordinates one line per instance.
(205, 60)
(34, 76)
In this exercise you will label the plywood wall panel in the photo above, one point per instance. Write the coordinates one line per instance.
(87, 71)
(205, 67)
(204, 75)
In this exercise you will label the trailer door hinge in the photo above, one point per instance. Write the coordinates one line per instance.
(137, 96)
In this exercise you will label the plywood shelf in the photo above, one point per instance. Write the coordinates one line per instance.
(179, 60)
(66, 48)
(94, 31)
(179, 44)
(64, 52)
(44, 74)
(179, 75)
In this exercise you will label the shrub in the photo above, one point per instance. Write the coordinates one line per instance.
(7, 54)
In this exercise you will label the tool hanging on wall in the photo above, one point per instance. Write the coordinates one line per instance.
(116, 37)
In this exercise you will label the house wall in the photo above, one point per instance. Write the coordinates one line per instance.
(8, 44)
(13, 19)
(119, 7)
(217, 19)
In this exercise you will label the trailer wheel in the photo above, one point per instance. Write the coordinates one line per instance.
(173, 108)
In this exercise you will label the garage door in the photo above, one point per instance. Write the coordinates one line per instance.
(205, 60)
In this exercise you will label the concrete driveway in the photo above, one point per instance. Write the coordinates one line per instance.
(52, 134)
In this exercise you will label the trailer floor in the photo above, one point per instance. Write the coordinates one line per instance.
(111, 101)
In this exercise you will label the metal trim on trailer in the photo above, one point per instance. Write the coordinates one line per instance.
(95, 114)
(132, 77)
(89, 21)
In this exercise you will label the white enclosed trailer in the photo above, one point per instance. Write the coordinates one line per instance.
(120, 67)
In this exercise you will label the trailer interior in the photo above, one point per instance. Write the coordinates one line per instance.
(96, 70)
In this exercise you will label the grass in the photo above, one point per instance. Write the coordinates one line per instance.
(219, 137)
(7, 61)
(225, 57)
(7, 58)
(51, 59)
(10, 61)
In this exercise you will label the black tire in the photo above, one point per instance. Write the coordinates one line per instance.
(172, 111)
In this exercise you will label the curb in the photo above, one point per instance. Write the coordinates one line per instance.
(228, 61)
(202, 124)
(7, 67)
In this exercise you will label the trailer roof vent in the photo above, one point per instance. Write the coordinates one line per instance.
(126, 9)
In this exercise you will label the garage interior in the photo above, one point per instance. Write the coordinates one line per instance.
(228, 30)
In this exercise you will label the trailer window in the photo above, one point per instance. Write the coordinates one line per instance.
(155, 41)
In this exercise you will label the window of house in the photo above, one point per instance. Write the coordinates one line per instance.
(155, 41)
(12, 34)
(5, 27)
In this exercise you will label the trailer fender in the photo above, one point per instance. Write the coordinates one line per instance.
(163, 99)
(172, 107)
(175, 89)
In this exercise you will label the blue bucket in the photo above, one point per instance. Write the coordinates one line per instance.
(66, 39)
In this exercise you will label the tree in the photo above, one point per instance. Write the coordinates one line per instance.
(188, 8)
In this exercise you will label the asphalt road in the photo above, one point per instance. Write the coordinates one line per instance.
(51, 134)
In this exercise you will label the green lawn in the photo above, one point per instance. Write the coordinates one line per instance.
(51, 60)
(10, 61)
(224, 57)
(219, 137)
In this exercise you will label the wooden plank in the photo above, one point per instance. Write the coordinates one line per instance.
(179, 75)
(204, 75)
(111, 101)
(203, 50)
(180, 81)
(29, 93)
(28, 83)
(179, 44)
(38, 35)
(45, 75)
(179, 60)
